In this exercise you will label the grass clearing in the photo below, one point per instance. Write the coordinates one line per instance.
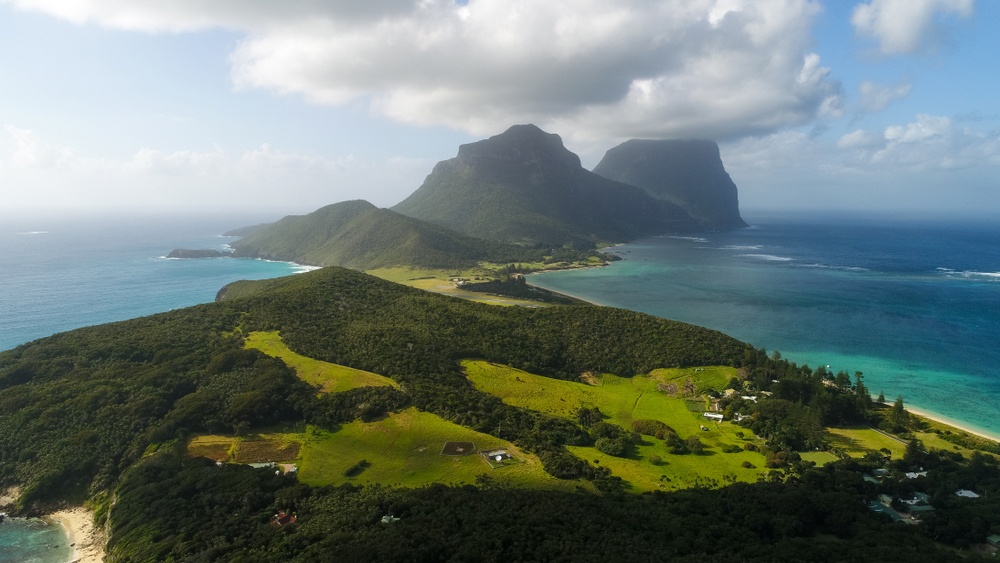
(212, 446)
(623, 400)
(858, 441)
(330, 378)
(405, 449)
(266, 450)
(819, 458)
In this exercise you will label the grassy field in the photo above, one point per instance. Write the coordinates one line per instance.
(405, 449)
(861, 440)
(331, 378)
(439, 281)
(819, 458)
(623, 400)
(402, 449)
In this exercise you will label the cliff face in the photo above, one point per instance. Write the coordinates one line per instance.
(688, 173)
(525, 186)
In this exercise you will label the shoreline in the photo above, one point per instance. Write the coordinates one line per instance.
(957, 424)
(961, 426)
(86, 540)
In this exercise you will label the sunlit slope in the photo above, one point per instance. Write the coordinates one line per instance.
(624, 400)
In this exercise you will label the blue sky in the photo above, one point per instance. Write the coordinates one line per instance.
(282, 107)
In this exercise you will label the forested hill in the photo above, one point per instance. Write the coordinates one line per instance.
(79, 408)
(686, 172)
(103, 413)
(524, 185)
(356, 234)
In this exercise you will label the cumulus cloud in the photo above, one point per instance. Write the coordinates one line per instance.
(906, 26)
(586, 68)
(929, 163)
(877, 97)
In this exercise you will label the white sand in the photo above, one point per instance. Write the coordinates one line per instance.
(88, 542)
(953, 423)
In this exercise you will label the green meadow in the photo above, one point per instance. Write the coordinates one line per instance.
(405, 449)
(622, 400)
(330, 378)
(402, 449)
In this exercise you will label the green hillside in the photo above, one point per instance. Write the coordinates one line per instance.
(106, 414)
(358, 235)
(524, 186)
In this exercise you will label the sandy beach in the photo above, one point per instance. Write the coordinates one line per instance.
(953, 423)
(87, 540)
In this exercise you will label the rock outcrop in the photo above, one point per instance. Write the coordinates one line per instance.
(524, 186)
(688, 173)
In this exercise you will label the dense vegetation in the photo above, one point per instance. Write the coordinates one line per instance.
(356, 234)
(102, 412)
(78, 408)
(161, 513)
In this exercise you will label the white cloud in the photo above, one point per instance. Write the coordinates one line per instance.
(38, 173)
(930, 163)
(32, 152)
(586, 68)
(906, 26)
(876, 97)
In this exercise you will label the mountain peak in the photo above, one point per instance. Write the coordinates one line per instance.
(686, 172)
(522, 145)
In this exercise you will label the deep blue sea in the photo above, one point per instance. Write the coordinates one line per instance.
(914, 305)
(60, 274)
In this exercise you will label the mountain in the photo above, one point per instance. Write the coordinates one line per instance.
(525, 186)
(688, 173)
(356, 234)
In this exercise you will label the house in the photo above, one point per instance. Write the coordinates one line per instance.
(389, 519)
(966, 493)
(885, 500)
(915, 474)
(918, 498)
(713, 416)
(283, 518)
(994, 540)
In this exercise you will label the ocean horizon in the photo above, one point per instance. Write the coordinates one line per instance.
(912, 304)
(62, 273)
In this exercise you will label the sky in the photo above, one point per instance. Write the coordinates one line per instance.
(275, 108)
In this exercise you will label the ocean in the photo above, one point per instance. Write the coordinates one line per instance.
(31, 540)
(914, 305)
(61, 274)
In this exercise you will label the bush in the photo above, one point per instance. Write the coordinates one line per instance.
(611, 446)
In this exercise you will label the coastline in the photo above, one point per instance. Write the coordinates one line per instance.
(959, 425)
(86, 540)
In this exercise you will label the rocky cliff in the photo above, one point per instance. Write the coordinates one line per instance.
(688, 173)
(525, 186)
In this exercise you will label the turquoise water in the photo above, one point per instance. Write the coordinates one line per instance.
(33, 541)
(59, 275)
(913, 305)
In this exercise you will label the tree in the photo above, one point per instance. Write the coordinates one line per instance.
(695, 445)
(898, 414)
(881, 398)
